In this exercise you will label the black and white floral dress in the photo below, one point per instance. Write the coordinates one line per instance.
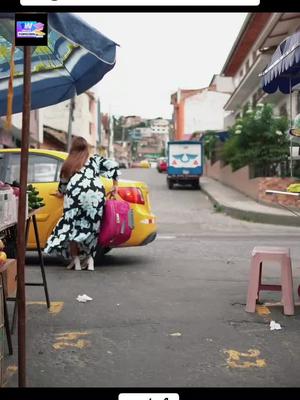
(84, 198)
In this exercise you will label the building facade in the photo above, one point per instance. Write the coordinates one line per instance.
(257, 40)
(200, 109)
(12, 138)
(84, 121)
(160, 126)
(250, 54)
(150, 141)
(178, 102)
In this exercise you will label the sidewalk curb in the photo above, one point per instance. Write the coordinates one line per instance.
(253, 216)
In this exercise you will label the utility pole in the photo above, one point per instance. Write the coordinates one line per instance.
(291, 137)
(71, 119)
(111, 138)
(123, 133)
(99, 127)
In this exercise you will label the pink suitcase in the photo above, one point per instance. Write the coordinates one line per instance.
(117, 223)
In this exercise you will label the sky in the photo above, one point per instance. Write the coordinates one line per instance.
(159, 53)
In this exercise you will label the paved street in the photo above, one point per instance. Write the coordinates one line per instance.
(170, 314)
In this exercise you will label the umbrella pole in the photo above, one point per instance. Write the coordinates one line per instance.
(71, 117)
(21, 243)
(291, 138)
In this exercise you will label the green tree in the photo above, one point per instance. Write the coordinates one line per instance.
(257, 139)
(210, 140)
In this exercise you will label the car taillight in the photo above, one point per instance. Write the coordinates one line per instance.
(131, 194)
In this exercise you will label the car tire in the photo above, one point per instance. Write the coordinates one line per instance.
(170, 184)
(106, 250)
(100, 253)
(196, 184)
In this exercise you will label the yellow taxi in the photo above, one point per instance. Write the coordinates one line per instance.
(145, 164)
(141, 164)
(43, 173)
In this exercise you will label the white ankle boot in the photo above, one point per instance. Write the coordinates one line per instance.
(90, 263)
(77, 264)
(71, 264)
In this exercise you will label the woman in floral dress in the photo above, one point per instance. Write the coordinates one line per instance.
(76, 233)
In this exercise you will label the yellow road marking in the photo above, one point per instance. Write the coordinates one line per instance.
(10, 371)
(262, 310)
(80, 344)
(70, 335)
(55, 306)
(234, 359)
(70, 339)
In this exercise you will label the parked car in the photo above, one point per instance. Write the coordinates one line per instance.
(152, 162)
(145, 164)
(43, 172)
(162, 164)
(140, 164)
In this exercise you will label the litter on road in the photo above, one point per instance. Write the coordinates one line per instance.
(274, 326)
(83, 298)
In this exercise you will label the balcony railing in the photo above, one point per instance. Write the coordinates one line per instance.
(249, 84)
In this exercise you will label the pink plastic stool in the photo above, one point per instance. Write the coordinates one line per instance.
(282, 255)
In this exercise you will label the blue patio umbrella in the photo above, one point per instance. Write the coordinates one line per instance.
(76, 58)
(283, 72)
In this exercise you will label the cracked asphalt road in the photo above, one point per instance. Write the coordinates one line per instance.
(170, 314)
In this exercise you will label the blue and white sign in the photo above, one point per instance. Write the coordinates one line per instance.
(185, 158)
